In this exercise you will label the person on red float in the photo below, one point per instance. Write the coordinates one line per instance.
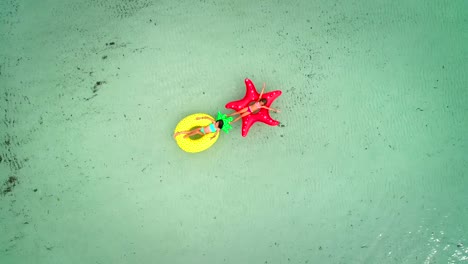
(253, 108)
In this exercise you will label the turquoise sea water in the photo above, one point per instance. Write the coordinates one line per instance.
(369, 164)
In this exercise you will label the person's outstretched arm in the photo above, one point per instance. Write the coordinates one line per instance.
(217, 131)
(263, 89)
(272, 109)
(206, 117)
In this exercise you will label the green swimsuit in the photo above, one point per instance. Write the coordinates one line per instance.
(212, 129)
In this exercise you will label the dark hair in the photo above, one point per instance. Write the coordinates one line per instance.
(220, 123)
(263, 100)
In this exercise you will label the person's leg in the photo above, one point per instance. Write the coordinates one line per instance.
(241, 116)
(188, 132)
(180, 132)
(233, 114)
(193, 133)
(243, 110)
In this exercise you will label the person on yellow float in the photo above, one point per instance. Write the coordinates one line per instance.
(221, 123)
(197, 127)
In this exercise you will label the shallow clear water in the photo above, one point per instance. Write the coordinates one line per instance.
(369, 164)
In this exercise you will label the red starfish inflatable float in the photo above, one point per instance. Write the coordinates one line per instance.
(251, 95)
